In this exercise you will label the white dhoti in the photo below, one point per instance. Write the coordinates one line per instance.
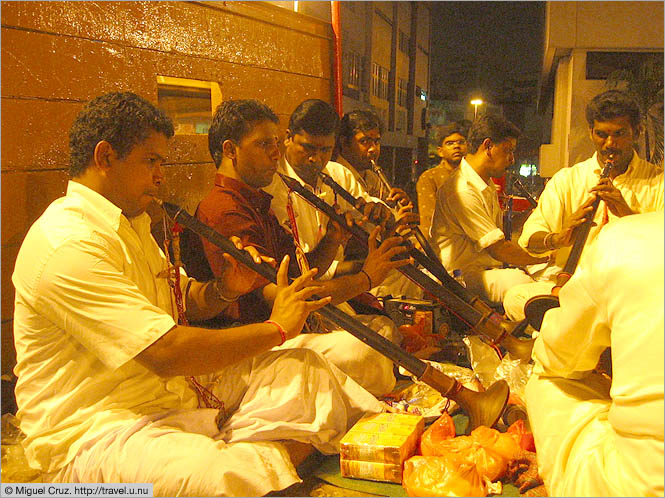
(493, 284)
(579, 452)
(516, 298)
(366, 366)
(397, 286)
(279, 395)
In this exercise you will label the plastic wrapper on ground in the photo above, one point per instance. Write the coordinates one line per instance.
(489, 368)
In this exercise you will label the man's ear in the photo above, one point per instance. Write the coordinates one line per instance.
(103, 155)
(487, 145)
(229, 149)
(288, 137)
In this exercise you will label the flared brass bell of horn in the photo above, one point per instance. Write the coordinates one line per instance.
(501, 331)
(483, 408)
(518, 348)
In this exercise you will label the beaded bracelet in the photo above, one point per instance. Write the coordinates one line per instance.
(280, 329)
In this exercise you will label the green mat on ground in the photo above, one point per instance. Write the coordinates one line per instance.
(329, 471)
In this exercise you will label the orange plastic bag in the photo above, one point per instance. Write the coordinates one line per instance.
(523, 437)
(443, 428)
(441, 476)
(488, 450)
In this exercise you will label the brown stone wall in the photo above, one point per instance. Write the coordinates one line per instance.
(58, 55)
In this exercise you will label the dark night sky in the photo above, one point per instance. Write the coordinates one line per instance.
(482, 46)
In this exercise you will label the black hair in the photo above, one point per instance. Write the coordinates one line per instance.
(359, 120)
(497, 128)
(459, 127)
(123, 119)
(232, 121)
(315, 117)
(613, 104)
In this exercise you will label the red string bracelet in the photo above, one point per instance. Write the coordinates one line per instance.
(280, 329)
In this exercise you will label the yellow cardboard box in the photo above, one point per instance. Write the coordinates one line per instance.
(383, 440)
(373, 471)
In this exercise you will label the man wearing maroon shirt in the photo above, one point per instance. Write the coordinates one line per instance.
(243, 141)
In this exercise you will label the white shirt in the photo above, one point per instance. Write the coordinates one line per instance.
(590, 444)
(615, 298)
(641, 185)
(310, 221)
(467, 220)
(87, 302)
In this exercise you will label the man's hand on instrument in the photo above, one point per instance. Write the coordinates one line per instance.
(377, 213)
(406, 220)
(398, 197)
(566, 237)
(236, 279)
(379, 259)
(612, 197)
(291, 307)
(338, 233)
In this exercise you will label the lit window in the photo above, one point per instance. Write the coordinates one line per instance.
(379, 81)
(189, 103)
(401, 92)
(352, 66)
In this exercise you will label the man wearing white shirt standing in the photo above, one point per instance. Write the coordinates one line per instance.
(634, 186)
(467, 221)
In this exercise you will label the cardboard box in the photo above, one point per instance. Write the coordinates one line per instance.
(373, 471)
(376, 446)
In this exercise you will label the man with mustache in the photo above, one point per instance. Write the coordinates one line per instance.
(359, 144)
(633, 186)
(452, 149)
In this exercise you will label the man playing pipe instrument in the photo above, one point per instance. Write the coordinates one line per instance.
(467, 221)
(451, 294)
(310, 140)
(358, 146)
(633, 186)
(593, 438)
(243, 141)
(110, 387)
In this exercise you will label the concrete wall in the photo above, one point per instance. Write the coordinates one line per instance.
(572, 30)
(58, 55)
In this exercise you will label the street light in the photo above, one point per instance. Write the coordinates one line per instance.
(475, 103)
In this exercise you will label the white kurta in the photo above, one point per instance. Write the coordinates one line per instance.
(87, 302)
(641, 185)
(590, 443)
(467, 220)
